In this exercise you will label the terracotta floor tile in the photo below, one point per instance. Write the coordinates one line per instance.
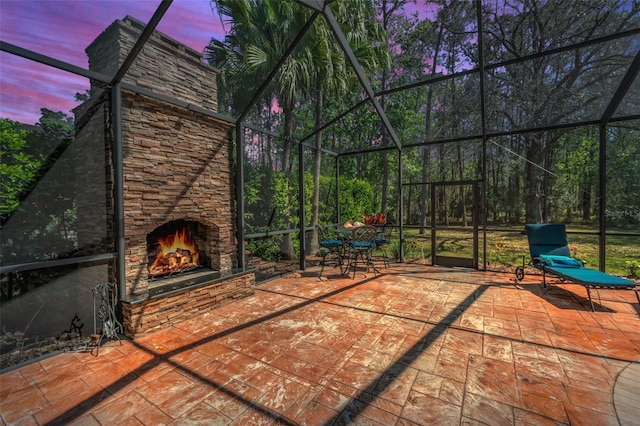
(256, 416)
(395, 384)
(529, 418)
(429, 346)
(357, 376)
(536, 335)
(581, 416)
(452, 391)
(165, 386)
(86, 420)
(452, 364)
(205, 415)
(56, 390)
(383, 361)
(74, 407)
(492, 378)
(239, 366)
(370, 410)
(181, 402)
(428, 384)
(189, 359)
(290, 364)
(463, 341)
(491, 322)
(547, 353)
(425, 409)
(381, 404)
(236, 407)
(152, 370)
(264, 380)
(233, 398)
(601, 401)
(390, 342)
(120, 408)
(280, 398)
(588, 377)
(497, 348)
(314, 414)
(487, 411)
(152, 415)
(534, 383)
(11, 383)
(421, 361)
(472, 321)
(213, 349)
(315, 374)
(540, 367)
(504, 312)
(510, 303)
(333, 399)
(22, 403)
(524, 349)
(482, 307)
(61, 365)
(571, 342)
(303, 399)
(313, 354)
(627, 323)
(545, 407)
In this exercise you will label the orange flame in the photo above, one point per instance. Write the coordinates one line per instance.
(176, 252)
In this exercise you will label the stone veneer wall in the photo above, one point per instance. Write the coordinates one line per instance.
(164, 66)
(177, 164)
(155, 314)
(92, 158)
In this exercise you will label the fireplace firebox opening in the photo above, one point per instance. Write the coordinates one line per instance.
(177, 248)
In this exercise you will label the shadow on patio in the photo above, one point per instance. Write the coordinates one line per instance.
(415, 345)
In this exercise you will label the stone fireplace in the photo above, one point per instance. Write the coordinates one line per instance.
(178, 199)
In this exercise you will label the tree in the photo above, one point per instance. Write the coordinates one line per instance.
(261, 32)
(18, 167)
(332, 76)
(39, 218)
(557, 88)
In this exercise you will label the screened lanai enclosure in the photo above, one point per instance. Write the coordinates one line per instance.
(128, 136)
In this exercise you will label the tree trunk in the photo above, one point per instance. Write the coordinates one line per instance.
(463, 198)
(423, 189)
(427, 127)
(286, 247)
(317, 158)
(586, 200)
(533, 180)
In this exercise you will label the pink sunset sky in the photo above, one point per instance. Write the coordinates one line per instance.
(62, 29)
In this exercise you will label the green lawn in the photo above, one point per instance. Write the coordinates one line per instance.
(505, 249)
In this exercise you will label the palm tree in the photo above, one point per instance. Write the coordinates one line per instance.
(332, 76)
(261, 33)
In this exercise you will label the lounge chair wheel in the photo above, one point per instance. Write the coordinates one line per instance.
(519, 273)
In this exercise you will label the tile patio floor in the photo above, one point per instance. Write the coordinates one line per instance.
(416, 345)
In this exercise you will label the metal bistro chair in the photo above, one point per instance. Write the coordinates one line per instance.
(362, 243)
(382, 241)
(331, 247)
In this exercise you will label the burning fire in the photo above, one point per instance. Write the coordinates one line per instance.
(174, 253)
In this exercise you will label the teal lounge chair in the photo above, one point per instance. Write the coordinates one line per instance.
(549, 249)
